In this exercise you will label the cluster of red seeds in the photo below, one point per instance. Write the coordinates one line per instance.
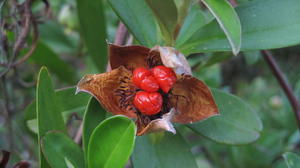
(149, 101)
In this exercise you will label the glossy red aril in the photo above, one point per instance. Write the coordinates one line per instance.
(144, 79)
(165, 77)
(148, 103)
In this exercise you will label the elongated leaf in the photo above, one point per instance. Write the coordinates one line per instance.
(166, 14)
(52, 34)
(61, 151)
(266, 24)
(228, 21)
(111, 143)
(183, 7)
(93, 29)
(94, 114)
(48, 113)
(237, 124)
(44, 56)
(292, 160)
(193, 22)
(66, 99)
(168, 151)
(137, 16)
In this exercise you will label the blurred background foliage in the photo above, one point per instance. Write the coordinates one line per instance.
(61, 48)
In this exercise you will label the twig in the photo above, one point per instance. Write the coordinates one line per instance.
(121, 34)
(233, 3)
(78, 135)
(21, 39)
(283, 83)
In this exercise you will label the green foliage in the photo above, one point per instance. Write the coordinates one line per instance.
(236, 124)
(166, 14)
(44, 56)
(228, 21)
(94, 114)
(93, 30)
(137, 16)
(292, 160)
(73, 44)
(261, 28)
(61, 151)
(48, 113)
(67, 101)
(162, 150)
(118, 134)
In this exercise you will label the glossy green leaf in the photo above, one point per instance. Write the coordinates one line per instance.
(236, 124)
(292, 160)
(61, 151)
(138, 18)
(163, 150)
(183, 7)
(94, 114)
(193, 22)
(228, 21)
(66, 99)
(166, 15)
(266, 24)
(44, 56)
(111, 143)
(52, 34)
(93, 30)
(48, 111)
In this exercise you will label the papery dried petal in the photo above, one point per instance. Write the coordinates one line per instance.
(192, 99)
(172, 58)
(130, 57)
(160, 124)
(113, 90)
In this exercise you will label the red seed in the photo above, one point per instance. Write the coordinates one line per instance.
(148, 103)
(144, 79)
(165, 77)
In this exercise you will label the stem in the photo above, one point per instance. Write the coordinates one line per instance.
(283, 83)
(233, 3)
(121, 34)
(78, 135)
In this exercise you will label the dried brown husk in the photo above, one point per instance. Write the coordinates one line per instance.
(104, 87)
(190, 98)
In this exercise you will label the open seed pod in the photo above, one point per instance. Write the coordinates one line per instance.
(188, 101)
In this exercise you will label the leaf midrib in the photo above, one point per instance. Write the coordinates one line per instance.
(117, 146)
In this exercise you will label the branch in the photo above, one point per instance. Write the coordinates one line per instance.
(283, 83)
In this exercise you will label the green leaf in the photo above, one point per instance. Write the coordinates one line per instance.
(228, 21)
(66, 99)
(118, 134)
(292, 160)
(163, 150)
(94, 114)
(48, 113)
(166, 14)
(52, 34)
(193, 22)
(266, 24)
(137, 17)
(183, 7)
(236, 124)
(61, 151)
(44, 56)
(93, 29)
